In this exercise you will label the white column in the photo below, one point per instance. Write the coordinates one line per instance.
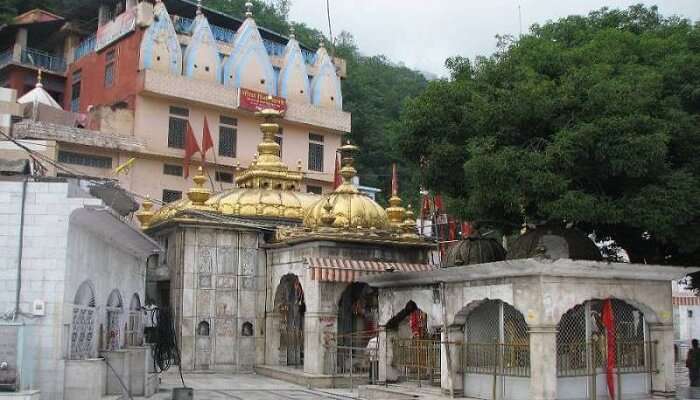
(272, 338)
(318, 328)
(543, 362)
(451, 380)
(387, 373)
(663, 381)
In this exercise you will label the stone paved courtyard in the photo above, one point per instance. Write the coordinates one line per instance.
(219, 386)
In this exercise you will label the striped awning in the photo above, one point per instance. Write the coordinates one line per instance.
(686, 300)
(344, 270)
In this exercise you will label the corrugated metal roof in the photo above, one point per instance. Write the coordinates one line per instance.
(347, 270)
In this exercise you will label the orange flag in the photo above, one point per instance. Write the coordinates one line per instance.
(337, 180)
(207, 141)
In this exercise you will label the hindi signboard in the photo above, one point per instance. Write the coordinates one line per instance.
(255, 101)
(113, 30)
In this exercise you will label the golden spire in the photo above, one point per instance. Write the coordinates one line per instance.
(38, 79)
(249, 9)
(267, 171)
(144, 216)
(292, 33)
(347, 170)
(395, 211)
(409, 225)
(198, 195)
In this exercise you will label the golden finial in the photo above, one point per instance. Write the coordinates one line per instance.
(321, 43)
(299, 166)
(292, 32)
(249, 9)
(409, 224)
(327, 219)
(199, 194)
(395, 211)
(199, 7)
(38, 79)
(347, 170)
(144, 216)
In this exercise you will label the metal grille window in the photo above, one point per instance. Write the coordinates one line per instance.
(114, 313)
(497, 341)
(87, 160)
(228, 135)
(134, 328)
(224, 177)
(177, 127)
(170, 169)
(315, 152)
(171, 195)
(83, 323)
(110, 61)
(75, 91)
(582, 347)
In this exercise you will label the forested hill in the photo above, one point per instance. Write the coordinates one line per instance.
(374, 91)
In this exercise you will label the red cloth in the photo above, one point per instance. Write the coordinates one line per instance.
(337, 179)
(394, 180)
(452, 229)
(466, 230)
(438, 203)
(191, 148)
(207, 141)
(425, 208)
(609, 323)
(416, 324)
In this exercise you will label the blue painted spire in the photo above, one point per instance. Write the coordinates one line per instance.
(202, 55)
(160, 49)
(293, 83)
(325, 86)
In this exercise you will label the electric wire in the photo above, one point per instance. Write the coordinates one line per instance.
(165, 349)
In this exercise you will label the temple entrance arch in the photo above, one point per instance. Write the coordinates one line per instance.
(598, 336)
(290, 307)
(496, 352)
(358, 312)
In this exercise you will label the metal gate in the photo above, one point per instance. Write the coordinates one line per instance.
(583, 352)
(496, 352)
(354, 358)
(292, 347)
(417, 360)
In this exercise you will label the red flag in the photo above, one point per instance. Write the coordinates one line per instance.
(466, 230)
(425, 208)
(394, 180)
(207, 141)
(452, 229)
(609, 323)
(191, 148)
(438, 203)
(337, 180)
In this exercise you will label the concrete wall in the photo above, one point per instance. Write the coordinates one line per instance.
(57, 257)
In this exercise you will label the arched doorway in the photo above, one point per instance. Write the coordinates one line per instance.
(83, 323)
(134, 330)
(496, 354)
(603, 348)
(358, 311)
(114, 315)
(290, 306)
(415, 348)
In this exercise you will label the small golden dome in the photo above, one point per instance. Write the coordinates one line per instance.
(266, 203)
(349, 209)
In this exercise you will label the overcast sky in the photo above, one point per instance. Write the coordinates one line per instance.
(422, 34)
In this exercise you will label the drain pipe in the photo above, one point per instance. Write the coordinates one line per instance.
(21, 246)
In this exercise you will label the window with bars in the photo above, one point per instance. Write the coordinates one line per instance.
(75, 91)
(279, 138)
(314, 189)
(110, 61)
(170, 169)
(315, 152)
(222, 176)
(227, 136)
(177, 127)
(171, 195)
(87, 160)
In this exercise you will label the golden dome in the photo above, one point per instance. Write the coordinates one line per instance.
(346, 207)
(267, 189)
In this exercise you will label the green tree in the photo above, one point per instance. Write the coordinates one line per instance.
(590, 119)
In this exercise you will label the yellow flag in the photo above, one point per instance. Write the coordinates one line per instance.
(125, 167)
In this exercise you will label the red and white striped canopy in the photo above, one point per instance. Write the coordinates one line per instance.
(686, 300)
(344, 270)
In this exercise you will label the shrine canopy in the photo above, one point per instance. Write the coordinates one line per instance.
(345, 270)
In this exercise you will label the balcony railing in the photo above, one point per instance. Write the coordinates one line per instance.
(85, 47)
(43, 60)
(184, 25)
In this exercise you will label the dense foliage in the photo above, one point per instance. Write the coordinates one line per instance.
(592, 120)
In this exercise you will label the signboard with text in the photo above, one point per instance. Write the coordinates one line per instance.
(113, 30)
(255, 101)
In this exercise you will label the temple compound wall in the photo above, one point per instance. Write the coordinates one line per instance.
(546, 317)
